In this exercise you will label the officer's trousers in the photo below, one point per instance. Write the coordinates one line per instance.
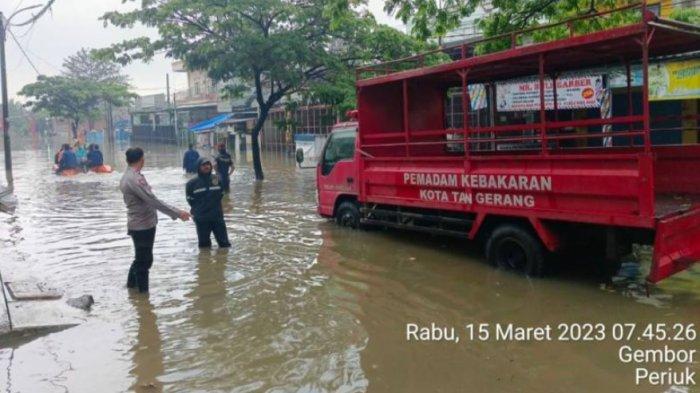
(143, 258)
(205, 228)
(225, 182)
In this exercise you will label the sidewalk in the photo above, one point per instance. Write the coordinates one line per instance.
(31, 306)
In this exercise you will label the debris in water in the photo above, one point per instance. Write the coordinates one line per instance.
(83, 302)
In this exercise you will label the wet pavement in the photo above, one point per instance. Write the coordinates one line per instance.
(297, 304)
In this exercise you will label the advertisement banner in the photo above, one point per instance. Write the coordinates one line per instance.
(477, 96)
(674, 80)
(574, 92)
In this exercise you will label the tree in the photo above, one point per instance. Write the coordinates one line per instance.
(280, 47)
(435, 18)
(83, 65)
(24, 125)
(86, 82)
(431, 18)
(72, 99)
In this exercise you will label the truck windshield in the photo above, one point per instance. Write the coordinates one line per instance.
(340, 146)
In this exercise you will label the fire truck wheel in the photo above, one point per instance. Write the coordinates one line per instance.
(514, 248)
(348, 215)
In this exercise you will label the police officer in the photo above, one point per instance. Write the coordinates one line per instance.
(141, 207)
(204, 194)
(224, 168)
(189, 161)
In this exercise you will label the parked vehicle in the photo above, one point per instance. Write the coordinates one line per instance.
(525, 173)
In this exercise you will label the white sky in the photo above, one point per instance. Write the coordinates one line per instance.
(74, 24)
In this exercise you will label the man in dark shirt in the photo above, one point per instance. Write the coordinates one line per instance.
(68, 159)
(94, 156)
(204, 194)
(189, 161)
(224, 168)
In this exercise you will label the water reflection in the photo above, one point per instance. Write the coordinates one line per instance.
(208, 295)
(297, 304)
(256, 197)
(147, 350)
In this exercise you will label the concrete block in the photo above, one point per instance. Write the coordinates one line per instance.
(43, 314)
(32, 290)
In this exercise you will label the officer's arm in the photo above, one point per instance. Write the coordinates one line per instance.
(147, 196)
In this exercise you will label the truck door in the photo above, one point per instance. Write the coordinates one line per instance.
(336, 170)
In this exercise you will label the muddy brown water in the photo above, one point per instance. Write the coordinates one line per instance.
(297, 304)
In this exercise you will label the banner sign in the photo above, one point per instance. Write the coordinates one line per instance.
(674, 80)
(477, 96)
(573, 92)
(671, 80)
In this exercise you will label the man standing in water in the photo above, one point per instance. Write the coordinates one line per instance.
(189, 161)
(224, 168)
(204, 194)
(142, 207)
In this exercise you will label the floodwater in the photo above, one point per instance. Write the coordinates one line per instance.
(297, 304)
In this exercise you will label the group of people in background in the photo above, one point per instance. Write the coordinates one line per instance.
(78, 158)
(224, 164)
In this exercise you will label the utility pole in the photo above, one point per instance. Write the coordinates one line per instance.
(110, 132)
(5, 106)
(167, 88)
(179, 137)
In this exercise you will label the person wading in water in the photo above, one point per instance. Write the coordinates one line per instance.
(224, 168)
(204, 194)
(142, 207)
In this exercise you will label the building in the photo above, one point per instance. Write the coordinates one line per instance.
(213, 119)
(283, 123)
(201, 100)
(152, 120)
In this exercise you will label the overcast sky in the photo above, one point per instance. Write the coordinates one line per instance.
(74, 24)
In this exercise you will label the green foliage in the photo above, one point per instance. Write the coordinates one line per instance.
(71, 98)
(83, 65)
(687, 15)
(22, 121)
(514, 15)
(435, 18)
(77, 94)
(280, 47)
(430, 18)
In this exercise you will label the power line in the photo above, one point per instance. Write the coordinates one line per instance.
(23, 52)
(48, 63)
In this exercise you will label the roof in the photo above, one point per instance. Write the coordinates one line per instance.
(601, 48)
(208, 124)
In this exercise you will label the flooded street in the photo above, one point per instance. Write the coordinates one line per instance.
(297, 304)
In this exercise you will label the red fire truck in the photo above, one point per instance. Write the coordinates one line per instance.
(519, 148)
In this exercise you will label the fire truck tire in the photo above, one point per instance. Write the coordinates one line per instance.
(515, 248)
(348, 215)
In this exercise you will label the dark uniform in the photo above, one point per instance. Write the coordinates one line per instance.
(94, 157)
(223, 165)
(204, 194)
(68, 160)
(189, 161)
(142, 217)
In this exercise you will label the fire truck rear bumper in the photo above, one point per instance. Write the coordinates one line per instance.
(676, 246)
